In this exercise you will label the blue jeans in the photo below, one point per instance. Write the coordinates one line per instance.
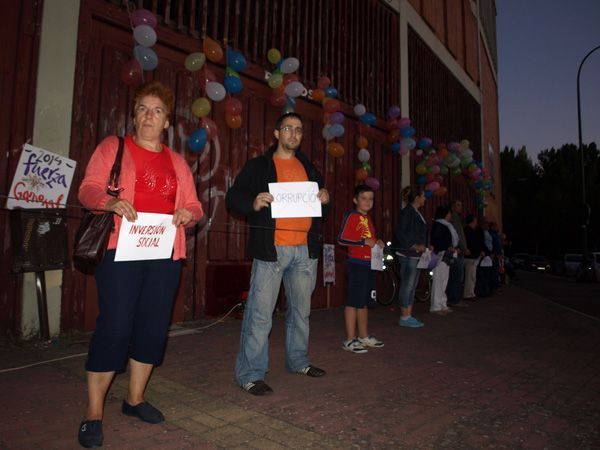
(299, 274)
(409, 275)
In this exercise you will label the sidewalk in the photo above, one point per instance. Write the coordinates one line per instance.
(512, 371)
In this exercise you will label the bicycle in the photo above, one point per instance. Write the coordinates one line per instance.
(387, 284)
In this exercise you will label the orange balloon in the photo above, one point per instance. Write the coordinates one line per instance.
(393, 135)
(212, 50)
(362, 142)
(233, 121)
(361, 174)
(442, 152)
(332, 105)
(280, 89)
(336, 150)
(441, 191)
(318, 95)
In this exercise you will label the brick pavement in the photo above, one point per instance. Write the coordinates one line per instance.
(513, 371)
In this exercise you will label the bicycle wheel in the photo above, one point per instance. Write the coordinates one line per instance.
(386, 286)
(423, 291)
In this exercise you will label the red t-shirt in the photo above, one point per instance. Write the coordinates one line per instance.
(355, 228)
(155, 180)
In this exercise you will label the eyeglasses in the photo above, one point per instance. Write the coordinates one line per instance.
(288, 129)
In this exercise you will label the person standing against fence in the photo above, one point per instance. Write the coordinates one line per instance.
(456, 277)
(135, 298)
(358, 234)
(444, 239)
(474, 254)
(409, 243)
(283, 249)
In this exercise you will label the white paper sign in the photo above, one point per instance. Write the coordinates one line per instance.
(328, 264)
(296, 199)
(151, 236)
(376, 257)
(42, 179)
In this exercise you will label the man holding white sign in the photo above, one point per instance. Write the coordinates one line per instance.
(285, 243)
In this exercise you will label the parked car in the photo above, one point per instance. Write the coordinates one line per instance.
(538, 263)
(519, 260)
(571, 261)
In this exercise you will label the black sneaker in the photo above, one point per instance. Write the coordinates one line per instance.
(258, 387)
(312, 371)
(143, 411)
(90, 434)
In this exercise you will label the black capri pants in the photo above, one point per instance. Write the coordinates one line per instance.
(135, 300)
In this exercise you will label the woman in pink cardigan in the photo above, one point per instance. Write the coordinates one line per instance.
(135, 298)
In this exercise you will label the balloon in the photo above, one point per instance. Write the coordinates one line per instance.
(131, 72)
(273, 56)
(408, 143)
(419, 152)
(444, 170)
(233, 106)
(393, 136)
(146, 56)
(467, 153)
(215, 91)
(143, 17)
(144, 35)
(421, 169)
(464, 144)
(336, 117)
(332, 105)
(424, 143)
(233, 121)
(336, 150)
(366, 166)
(236, 60)
(194, 61)
(391, 124)
(361, 174)
(407, 132)
(331, 92)
(453, 147)
(210, 126)
(441, 191)
(294, 89)
(318, 95)
(362, 142)
(197, 140)
(278, 100)
(435, 169)
(429, 177)
(421, 179)
(337, 130)
(233, 85)
(372, 182)
(404, 122)
(327, 133)
(442, 152)
(394, 111)
(212, 50)
(201, 107)
(368, 118)
(396, 147)
(363, 155)
(323, 82)
(359, 109)
(289, 65)
(275, 80)
(434, 185)
(428, 193)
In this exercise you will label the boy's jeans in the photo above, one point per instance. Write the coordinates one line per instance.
(299, 274)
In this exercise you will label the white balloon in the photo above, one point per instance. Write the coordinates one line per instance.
(326, 133)
(359, 109)
(363, 155)
(289, 65)
(144, 35)
(294, 89)
(215, 91)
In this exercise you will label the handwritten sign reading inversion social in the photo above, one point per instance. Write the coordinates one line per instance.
(151, 236)
(296, 199)
(42, 179)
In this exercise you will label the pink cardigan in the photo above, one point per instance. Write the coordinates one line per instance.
(92, 192)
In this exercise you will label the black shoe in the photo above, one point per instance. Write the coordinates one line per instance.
(258, 387)
(90, 434)
(312, 371)
(143, 411)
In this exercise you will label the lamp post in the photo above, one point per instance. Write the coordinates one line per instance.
(586, 270)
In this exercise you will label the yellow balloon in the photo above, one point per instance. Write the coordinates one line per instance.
(201, 107)
(273, 56)
(195, 61)
(275, 80)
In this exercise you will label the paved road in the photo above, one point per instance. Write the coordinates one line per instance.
(583, 297)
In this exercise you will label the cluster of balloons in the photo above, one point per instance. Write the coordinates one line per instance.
(143, 23)
(400, 132)
(284, 82)
(363, 173)
(333, 117)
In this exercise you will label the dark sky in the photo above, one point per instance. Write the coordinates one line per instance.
(540, 46)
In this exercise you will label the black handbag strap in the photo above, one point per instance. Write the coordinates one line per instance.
(115, 172)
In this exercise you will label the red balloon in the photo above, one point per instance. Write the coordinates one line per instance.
(210, 126)
(278, 99)
(332, 105)
(233, 106)
(131, 72)
(323, 82)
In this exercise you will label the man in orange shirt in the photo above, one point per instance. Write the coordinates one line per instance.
(283, 249)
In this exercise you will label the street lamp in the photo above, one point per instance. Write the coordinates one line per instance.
(586, 270)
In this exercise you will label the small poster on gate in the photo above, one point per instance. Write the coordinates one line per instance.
(296, 199)
(42, 179)
(151, 236)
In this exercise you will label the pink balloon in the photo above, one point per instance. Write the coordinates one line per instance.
(143, 17)
(404, 122)
(372, 182)
(336, 117)
(433, 186)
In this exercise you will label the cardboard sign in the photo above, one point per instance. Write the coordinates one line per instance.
(151, 236)
(328, 263)
(297, 199)
(42, 179)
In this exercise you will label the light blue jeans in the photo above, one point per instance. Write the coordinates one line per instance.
(299, 274)
(409, 275)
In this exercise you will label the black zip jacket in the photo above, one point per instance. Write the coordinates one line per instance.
(252, 180)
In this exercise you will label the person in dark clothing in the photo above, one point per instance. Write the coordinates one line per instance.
(454, 290)
(473, 255)
(444, 240)
(283, 249)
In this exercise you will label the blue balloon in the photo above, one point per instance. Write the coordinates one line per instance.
(236, 60)
(428, 193)
(331, 92)
(396, 147)
(407, 132)
(336, 130)
(146, 57)
(197, 140)
(421, 179)
(368, 118)
(233, 85)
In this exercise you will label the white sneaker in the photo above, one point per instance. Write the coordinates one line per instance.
(370, 341)
(354, 346)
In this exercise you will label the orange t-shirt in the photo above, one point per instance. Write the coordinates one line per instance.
(291, 231)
